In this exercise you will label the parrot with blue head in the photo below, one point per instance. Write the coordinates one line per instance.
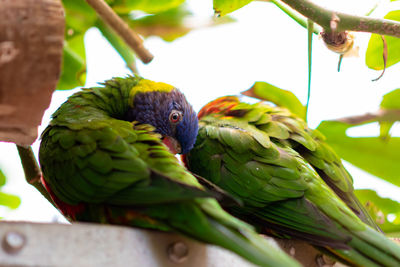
(106, 157)
(291, 183)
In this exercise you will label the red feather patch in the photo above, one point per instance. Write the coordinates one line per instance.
(67, 210)
(220, 105)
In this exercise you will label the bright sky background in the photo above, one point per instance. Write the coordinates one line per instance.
(263, 45)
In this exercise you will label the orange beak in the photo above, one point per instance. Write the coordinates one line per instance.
(172, 144)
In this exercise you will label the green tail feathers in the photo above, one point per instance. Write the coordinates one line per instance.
(242, 240)
(375, 247)
(206, 221)
(249, 245)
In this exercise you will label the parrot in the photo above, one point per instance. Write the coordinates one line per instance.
(291, 183)
(108, 156)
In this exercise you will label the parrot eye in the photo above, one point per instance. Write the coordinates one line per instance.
(175, 116)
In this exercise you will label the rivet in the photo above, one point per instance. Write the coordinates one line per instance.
(178, 252)
(13, 242)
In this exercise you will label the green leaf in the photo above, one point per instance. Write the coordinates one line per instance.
(79, 17)
(170, 25)
(374, 58)
(2, 178)
(372, 154)
(223, 7)
(384, 211)
(280, 97)
(73, 73)
(9, 201)
(390, 101)
(148, 6)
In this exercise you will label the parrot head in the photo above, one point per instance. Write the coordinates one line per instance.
(171, 115)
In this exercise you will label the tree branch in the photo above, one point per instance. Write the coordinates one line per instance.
(323, 16)
(387, 115)
(120, 27)
(32, 170)
(295, 16)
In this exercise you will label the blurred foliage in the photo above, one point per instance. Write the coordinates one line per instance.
(7, 200)
(167, 19)
(148, 6)
(377, 155)
(390, 101)
(384, 211)
(168, 25)
(223, 7)
(374, 58)
(371, 154)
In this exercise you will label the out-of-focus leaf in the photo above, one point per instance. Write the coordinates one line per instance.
(390, 101)
(374, 55)
(223, 7)
(2, 178)
(168, 25)
(372, 154)
(9, 201)
(171, 24)
(280, 97)
(79, 17)
(385, 211)
(73, 72)
(148, 6)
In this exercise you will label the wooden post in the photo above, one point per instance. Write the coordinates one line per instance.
(31, 48)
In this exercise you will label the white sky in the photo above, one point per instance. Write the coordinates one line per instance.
(264, 45)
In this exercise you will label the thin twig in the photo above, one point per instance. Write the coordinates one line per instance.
(32, 170)
(387, 115)
(323, 17)
(120, 27)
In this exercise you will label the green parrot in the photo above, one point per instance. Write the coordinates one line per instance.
(290, 181)
(106, 158)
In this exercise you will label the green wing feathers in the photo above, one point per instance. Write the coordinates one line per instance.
(289, 180)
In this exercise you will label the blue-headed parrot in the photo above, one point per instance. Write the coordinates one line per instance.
(106, 158)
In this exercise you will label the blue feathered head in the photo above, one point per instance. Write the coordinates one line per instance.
(171, 115)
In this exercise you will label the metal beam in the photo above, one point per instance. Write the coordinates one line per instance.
(81, 244)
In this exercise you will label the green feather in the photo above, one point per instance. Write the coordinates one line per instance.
(289, 180)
